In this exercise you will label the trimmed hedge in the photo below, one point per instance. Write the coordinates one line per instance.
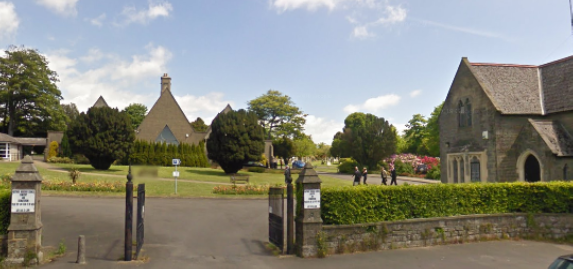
(5, 203)
(368, 204)
(156, 153)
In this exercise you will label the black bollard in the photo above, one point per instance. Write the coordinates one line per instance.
(140, 234)
(290, 220)
(128, 216)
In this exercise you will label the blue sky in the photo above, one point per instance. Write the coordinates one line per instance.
(391, 58)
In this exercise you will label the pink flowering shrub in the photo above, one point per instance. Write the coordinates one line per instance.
(414, 160)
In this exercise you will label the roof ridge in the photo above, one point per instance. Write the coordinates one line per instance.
(505, 65)
(557, 61)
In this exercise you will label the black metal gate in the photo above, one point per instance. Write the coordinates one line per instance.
(276, 216)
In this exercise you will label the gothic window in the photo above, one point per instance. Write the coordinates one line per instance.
(475, 175)
(468, 110)
(461, 114)
(462, 172)
(455, 168)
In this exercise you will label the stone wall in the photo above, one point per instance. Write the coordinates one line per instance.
(438, 231)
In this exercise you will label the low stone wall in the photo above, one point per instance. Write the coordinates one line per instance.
(438, 231)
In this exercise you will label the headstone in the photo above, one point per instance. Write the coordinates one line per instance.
(25, 230)
(308, 220)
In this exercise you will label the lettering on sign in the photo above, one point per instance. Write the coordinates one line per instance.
(312, 198)
(175, 173)
(23, 201)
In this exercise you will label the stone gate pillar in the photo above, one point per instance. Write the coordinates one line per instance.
(25, 230)
(308, 220)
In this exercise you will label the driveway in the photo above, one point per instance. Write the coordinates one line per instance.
(219, 233)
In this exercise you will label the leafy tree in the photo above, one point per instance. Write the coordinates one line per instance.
(199, 125)
(103, 135)
(283, 148)
(236, 138)
(433, 132)
(29, 97)
(278, 111)
(136, 113)
(304, 147)
(71, 111)
(322, 150)
(66, 148)
(339, 147)
(415, 134)
(369, 138)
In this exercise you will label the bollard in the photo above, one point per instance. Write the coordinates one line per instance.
(81, 250)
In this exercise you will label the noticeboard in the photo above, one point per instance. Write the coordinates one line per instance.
(23, 201)
(312, 198)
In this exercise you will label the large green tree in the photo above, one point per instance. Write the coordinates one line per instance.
(71, 111)
(283, 148)
(199, 125)
(304, 146)
(236, 137)
(278, 114)
(102, 134)
(322, 150)
(415, 134)
(369, 138)
(29, 97)
(136, 113)
(433, 132)
(339, 147)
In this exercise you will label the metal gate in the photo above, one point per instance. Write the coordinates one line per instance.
(276, 216)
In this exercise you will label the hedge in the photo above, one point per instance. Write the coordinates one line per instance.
(368, 204)
(155, 153)
(5, 202)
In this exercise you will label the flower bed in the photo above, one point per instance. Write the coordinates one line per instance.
(414, 160)
(243, 189)
(81, 186)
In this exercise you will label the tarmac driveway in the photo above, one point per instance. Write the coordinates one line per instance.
(218, 233)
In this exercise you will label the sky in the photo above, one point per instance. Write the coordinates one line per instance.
(390, 58)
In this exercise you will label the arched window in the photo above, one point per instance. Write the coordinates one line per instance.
(462, 172)
(461, 114)
(455, 170)
(475, 175)
(468, 110)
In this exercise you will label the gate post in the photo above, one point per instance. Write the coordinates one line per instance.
(290, 221)
(128, 217)
(308, 220)
(140, 235)
(25, 230)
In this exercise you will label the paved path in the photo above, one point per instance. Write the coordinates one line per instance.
(376, 179)
(214, 233)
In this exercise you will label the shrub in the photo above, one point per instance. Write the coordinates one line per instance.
(347, 166)
(403, 168)
(434, 173)
(75, 174)
(256, 169)
(80, 186)
(5, 203)
(80, 159)
(242, 190)
(60, 160)
(351, 205)
(53, 150)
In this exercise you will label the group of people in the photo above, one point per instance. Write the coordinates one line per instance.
(383, 173)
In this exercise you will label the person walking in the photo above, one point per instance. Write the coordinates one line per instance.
(364, 175)
(288, 179)
(384, 176)
(393, 176)
(357, 176)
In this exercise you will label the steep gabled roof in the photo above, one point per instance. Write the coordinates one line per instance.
(513, 89)
(100, 102)
(8, 138)
(166, 111)
(559, 141)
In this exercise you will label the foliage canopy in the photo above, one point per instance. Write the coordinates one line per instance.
(278, 114)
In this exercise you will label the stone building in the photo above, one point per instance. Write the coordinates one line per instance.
(506, 122)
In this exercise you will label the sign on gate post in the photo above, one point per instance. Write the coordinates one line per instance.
(176, 162)
(276, 216)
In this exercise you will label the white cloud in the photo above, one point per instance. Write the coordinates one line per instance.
(112, 79)
(9, 20)
(94, 55)
(374, 104)
(62, 7)
(321, 129)
(154, 10)
(206, 106)
(393, 15)
(415, 93)
(463, 29)
(97, 21)
(284, 5)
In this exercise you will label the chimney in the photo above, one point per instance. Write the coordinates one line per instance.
(165, 83)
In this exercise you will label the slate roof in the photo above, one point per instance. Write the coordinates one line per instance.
(26, 141)
(527, 89)
(7, 138)
(100, 102)
(559, 141)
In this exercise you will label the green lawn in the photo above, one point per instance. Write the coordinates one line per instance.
(318, 166)
(163, 186)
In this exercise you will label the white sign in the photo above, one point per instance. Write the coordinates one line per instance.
(23, 201)
(312, 198)
(176, 161)
(175, 173)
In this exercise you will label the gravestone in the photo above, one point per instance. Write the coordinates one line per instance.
(25, 230)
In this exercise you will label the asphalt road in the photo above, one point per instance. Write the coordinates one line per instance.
(376, 179)
(217, 233)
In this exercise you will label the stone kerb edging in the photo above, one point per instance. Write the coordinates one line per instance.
(338, 239)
